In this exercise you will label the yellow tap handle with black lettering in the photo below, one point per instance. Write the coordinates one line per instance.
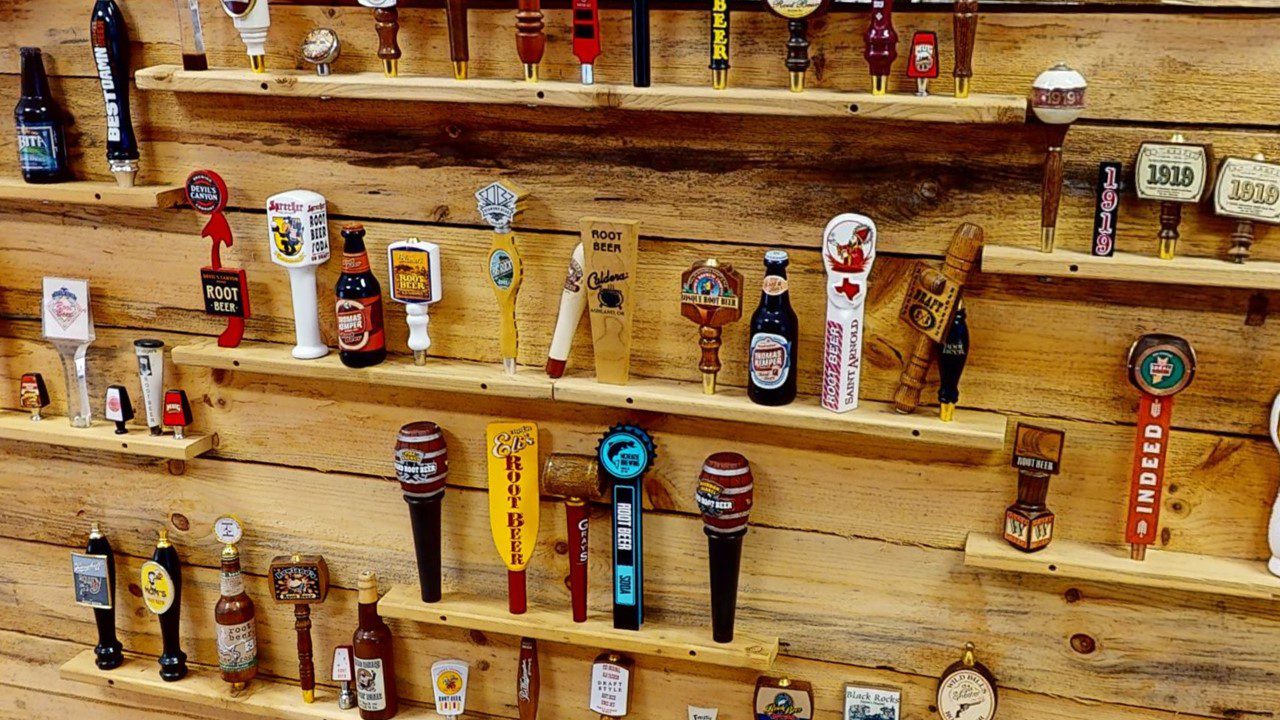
(499, 203)
(513, 467)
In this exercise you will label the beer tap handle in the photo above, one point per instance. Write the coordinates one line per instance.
(951, 361)
(1170, 219)
(386, 20)
(586, 37)
(1051, 189)
(640, 43)
(797, 52)
(456, 13)
(306, 668)
(881, 45)
(419, 340)
(110, 39)
(1273, 525)
(709, 364)
(965, 27)
(531, 39)
(719, 45)
(528, 680)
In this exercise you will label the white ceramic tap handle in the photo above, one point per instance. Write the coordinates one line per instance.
(419, 340)
(848, 250)
(306, 319)
(253, 28)
(1273, 526)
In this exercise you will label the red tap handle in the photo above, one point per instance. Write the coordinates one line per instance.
(219, 231)
(517, 597)
(531, 40)
(578, 520)
(881, 39)
(586, 31)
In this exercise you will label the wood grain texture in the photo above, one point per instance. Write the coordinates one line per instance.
(93, 193)
(101, 435)
(1131, 267)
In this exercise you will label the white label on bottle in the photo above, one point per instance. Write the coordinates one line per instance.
(232, 584)
(237, 647)
(371, 690)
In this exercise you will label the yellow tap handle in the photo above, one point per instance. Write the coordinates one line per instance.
(505, 273)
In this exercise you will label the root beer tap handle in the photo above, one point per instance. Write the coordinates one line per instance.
(512, 450)
(456, 15)
(586, 37)
(573, 302)
(625, 454)
(1160, 367)
(499, 203)
(725, 494)
(577, 479)
(252, 19)
(880, 45)
(33, 395)
(952, 356)
(161, 581)
(387, 22)
(94, 577)
(640, 43)
(797, 13)
(1249, 191)
(177, 412)
(1273, 525)
(531, 39)
(422, 466)
(965, 30)
(929, 307)
(923, 63)
(528, 680)
(1057, 100)
(301, 580)
(848, 252)
(711, 296)
(719, 45)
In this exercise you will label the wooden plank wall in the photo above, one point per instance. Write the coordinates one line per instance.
(855, 556)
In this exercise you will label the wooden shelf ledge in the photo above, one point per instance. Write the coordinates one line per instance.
(978, 108)
(1207, 574)
(971, 428)
(101, 435)
(84, 192)
(491, 615)
(203, 686)
(397, 371)
(1128, 267)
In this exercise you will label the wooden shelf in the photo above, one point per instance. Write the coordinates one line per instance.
(971, 428)
(1111, 564)
(101, 436)
(491, 615)
(1005, 109)
(83, 192)
(1128, 267)
(399, 371)
(203, 686)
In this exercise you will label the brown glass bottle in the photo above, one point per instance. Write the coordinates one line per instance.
(361, 340)
(237, 635)
(375, 662)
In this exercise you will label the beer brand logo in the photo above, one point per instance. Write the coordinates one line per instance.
(224, 292)
(113, 402)
(849, 246)
(966, 695)
(66, 308)
(1162, 372)
(773, 285)
(501, 269)
(356, 322)
(449, 682)
(783, 707)
(286, 235)
(296, 583)
(573, 280)
(1107, 204)
(924, 56)
(1058, 97)
(597, 280)
(720, 30)
(497, 205)
(206, 192)
(106, 80)
(708, 286)
(623, 455)
(411, 275)
(157, 587)
(794, 9)
(770, 362)
(29, 395)
(710, 498)
(91, 580)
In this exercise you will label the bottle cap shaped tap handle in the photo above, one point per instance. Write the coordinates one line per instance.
(711, 296)
(611, 249)
(880, 45)
(531, 39)
(499, 203)
(161, 582)
(67, 322)
(929, 308)
(1037, 455)
(456, 12)
(952, 356)
(94, 577)
(1057, 100)
(109, 38)
(573, 301)
(422, 466)
(528, 680)
(150, 354)
(177, 412)
(586, 37)
(848, 252)
(577, 479)
(1160, 367)
(724, 494)
(719, 44)
(1174, 173)
(797, 13)
(386, 21)
(320, 48)
(298, 229)
(33, 395)
(965, 30)
(300, 581)
(225, 290)
(923, 64)
(1249, 191)
(513, 501)
(117, 408)
(449, 680)
(252, 19)
(625, 454)
(414, 267)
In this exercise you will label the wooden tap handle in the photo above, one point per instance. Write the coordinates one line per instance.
(306, 669)
(798, 46)
(1170, 219)
(528, 680)
(709, 341)
(386, 20)
(456, 12)
(965, 28)
(578, 521)
(1051, 187)
(1241, 241)
(531, 40)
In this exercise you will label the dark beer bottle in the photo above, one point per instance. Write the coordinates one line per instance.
(374, 659)
(361, 341)
(42, 145)
(771, 356)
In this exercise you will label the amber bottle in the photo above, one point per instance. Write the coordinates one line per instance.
(237, 635)
(375, 663)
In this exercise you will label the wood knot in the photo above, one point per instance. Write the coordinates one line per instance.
(1083, 644)
(478, 637)
(1072, 595)
(561, 547)
(453, 131)
(180, 521)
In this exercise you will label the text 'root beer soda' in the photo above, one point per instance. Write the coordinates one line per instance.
(771, 355)
(361, 340)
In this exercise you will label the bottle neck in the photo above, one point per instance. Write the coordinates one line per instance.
(35, 83)
(355, 259)
(369, 615)
(774, 293)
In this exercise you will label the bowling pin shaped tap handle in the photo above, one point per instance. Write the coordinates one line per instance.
(499, 203)
(513, 501)
(298, 230)
(719, 44)
(414, 266)
(711, 296)
(573, 302)
(1057, 100)
(725, 494)
(94, 577)
(531, 39)
(965, 30)
(848, 251)
(252, 19)
(952, 356)
(110, 40)
(577, 479)
(586, 37)
(459, 53)
(1160, 367)
(422, 466)
(300, 581)
(161, 582)
(880, 45)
